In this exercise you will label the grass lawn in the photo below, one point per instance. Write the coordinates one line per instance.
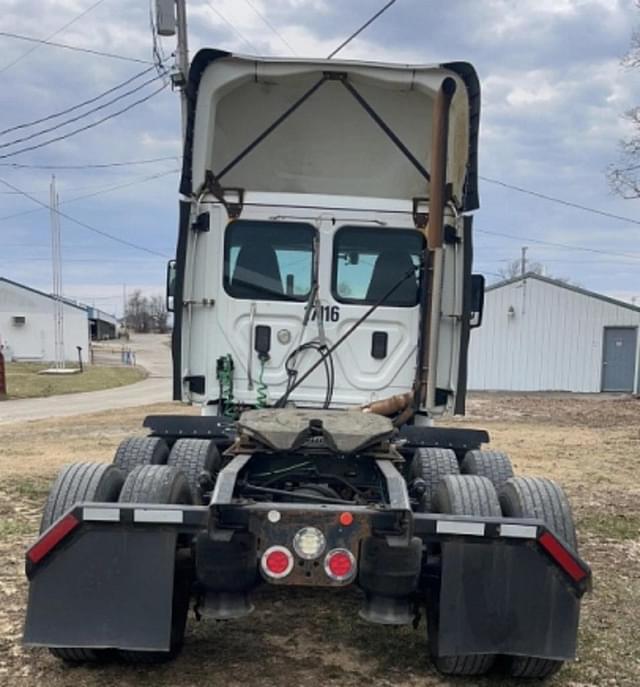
(23, 380)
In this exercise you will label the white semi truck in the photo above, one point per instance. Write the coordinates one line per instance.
(323, 301)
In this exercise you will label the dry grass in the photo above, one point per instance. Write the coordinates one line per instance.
(315, 637)
(23, 380)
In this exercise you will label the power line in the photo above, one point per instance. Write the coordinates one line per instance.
(558, 245)
(102, 191)
(271, 26)
(84, 224)
(98, 165)
(76, 118)
(83, 128)
(52, 35)
(361, 29)
(561, 201)
(75, 48)
(232, 27)
(79, 105)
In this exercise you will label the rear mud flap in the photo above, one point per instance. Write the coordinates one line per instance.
(106, 587)
(502, 597)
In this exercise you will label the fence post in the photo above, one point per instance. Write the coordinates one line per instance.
(3, 379)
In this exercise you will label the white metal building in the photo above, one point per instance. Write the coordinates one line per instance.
(27, 324)
(540, 334)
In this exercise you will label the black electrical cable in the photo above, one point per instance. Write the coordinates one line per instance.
(285, 397)
(76, 118)
(86, 127)
(75, 48)
(97, 165)
(79, 105)
(327, 360)
(83, 224)
(361, 29)
(52, 35)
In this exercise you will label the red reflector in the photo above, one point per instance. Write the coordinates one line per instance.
(52, 538)
(339, 564)
(562, 557)
(346, 519)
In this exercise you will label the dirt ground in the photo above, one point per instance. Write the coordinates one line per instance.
(590, 444)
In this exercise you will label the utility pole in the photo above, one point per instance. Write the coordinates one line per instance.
(523, 261)
(171, 20)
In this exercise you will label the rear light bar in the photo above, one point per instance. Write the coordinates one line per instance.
(52, 537)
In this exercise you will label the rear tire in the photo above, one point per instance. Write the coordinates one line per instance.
(93, 482)
(431, 465)
(537, 497)
(163, 484)
(493, 465)
(136, 451)
(193, 457)
(466, 495)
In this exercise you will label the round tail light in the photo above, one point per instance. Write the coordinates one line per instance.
(277, 562)
(340, 564)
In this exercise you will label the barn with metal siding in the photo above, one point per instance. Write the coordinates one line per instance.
(27, 324)
(541, 334)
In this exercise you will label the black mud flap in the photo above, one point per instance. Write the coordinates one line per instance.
(105, 587)
(502, 597)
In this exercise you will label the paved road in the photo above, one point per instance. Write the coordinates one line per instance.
(152, 353)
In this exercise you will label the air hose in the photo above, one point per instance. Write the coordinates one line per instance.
(224, 371)
(262, 391)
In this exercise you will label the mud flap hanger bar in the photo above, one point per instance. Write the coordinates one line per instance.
(212, 181)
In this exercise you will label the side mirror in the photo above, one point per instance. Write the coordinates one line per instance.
(477, 300)
(171, 284)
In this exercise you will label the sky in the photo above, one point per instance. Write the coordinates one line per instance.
(554, 93)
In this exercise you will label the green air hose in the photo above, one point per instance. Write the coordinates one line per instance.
(262, 395)
(225, 379)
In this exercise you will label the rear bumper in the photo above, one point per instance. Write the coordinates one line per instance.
(492, 585)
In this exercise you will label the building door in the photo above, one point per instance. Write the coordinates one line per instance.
(619, 358)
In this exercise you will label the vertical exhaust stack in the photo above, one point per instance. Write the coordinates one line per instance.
(434, 234)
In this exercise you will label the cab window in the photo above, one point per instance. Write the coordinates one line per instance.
(368, 262)
(268, 260)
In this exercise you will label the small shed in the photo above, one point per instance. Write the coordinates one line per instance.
(542, 334)
(27, 324)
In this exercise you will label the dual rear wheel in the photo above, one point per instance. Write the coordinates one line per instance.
(144, 470)
(483, 484)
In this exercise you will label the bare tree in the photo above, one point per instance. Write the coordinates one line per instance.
(146, 314)
(158, 314)
(624, 176)
(514, 268)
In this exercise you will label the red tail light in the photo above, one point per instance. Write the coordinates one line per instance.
(52, 538)
(277, 562)
(562, 557)
(340, 565)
